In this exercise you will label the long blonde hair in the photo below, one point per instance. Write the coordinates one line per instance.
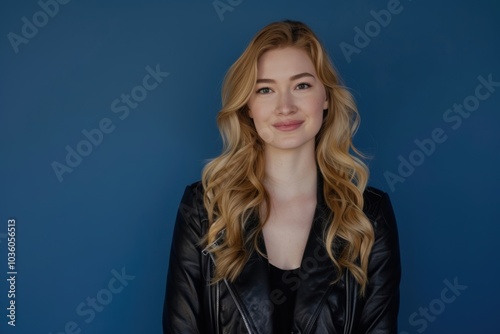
(232, 182)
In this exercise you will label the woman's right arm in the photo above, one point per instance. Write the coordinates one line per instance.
(182, 312)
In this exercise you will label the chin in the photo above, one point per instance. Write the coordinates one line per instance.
(291, 145)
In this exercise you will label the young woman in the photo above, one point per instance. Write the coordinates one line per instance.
(282, 235)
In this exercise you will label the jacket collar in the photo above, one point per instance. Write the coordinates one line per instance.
(252, 288)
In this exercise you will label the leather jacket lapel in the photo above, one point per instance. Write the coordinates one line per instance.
(251, 292)
(317, 271)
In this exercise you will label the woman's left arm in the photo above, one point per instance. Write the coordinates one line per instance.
(381, 307)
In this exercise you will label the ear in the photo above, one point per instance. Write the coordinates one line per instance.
(327, 98)
(325, 104)
(249, 113)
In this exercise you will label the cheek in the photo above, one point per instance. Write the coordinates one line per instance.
(265, 134)
(258, 113)
(318, 114)
(317, 110)
(263, 130)
(261, 122)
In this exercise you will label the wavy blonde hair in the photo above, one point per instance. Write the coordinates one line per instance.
(232, 182)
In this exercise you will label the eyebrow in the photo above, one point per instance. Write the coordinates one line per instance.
(292, 78)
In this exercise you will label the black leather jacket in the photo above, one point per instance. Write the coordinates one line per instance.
(245, 306)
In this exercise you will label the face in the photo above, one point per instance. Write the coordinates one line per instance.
(288, 100)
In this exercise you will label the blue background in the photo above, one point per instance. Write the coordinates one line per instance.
(116, 209)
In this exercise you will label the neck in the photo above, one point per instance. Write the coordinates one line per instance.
(290, 174)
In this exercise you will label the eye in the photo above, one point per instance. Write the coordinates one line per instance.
(303, 85)
(264, 90)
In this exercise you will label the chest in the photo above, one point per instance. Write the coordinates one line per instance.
(286, 233)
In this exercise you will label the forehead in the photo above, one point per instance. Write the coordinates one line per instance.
(284, 62)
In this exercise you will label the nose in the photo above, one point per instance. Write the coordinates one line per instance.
(285, 104)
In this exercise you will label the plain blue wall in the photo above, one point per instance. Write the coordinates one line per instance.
(115, 210)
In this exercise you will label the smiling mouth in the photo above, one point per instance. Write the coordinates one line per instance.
(288, 125)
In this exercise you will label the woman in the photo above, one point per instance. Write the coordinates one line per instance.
(282, 235)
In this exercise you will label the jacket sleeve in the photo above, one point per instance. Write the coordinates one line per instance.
(381, 307)
(182, 312)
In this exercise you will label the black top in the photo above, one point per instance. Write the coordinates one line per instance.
(284, 285)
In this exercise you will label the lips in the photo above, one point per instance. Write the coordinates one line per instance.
(288, 125)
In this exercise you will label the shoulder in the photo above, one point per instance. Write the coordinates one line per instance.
(193, 193)
(378, 209)
(373, 196)
(380, 309)
(196, 188)
(191, 206)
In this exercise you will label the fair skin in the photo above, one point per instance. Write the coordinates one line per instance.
(287, 109)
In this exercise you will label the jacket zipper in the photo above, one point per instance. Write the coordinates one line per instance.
(348, 324)
(245, 320)
(217, 296)
(206, 252)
